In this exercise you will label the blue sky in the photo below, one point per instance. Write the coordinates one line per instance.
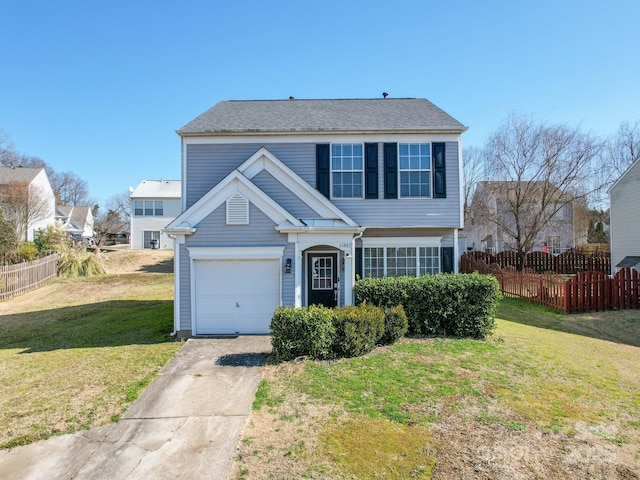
(99, 88)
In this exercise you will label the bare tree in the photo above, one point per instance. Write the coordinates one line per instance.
(69, 189)
(23, 205)
(473, 171)
(116, 218)
(624, 148)
(541, 169)
(6, 147)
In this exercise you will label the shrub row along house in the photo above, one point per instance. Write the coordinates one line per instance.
(288, 202)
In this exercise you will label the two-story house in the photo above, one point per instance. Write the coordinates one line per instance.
(154, 204)
(27, 200)
(288, 202)
(498, 208)
(76, 220)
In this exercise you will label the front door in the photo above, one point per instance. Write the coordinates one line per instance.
(323, 279)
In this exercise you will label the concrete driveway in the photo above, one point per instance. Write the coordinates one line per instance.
(184, 425)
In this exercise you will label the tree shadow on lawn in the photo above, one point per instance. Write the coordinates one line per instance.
(104, 324)
(619, 326)
(164, 266)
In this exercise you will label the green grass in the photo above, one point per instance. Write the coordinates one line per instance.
(76, 353)
(535, 373)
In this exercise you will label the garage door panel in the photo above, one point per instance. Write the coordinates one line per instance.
(236, 296)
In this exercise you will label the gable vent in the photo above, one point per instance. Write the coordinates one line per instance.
(237, 210)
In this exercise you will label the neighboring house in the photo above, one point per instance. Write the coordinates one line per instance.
(624, 222)
(27, 200)
(491, 206)
(77, 221)
(287, 202)
(154, 204)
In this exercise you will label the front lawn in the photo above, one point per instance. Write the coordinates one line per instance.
(75, 353)
(534, 401)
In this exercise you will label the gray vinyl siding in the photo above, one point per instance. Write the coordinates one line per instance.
(206, 165)
(409, 212)
(185, 289)
(213, 232)
(289, 279)
(209, 164)
(281, 194)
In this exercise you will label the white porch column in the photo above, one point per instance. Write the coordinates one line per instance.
(348, 280)
(297, 298)
(456, 253)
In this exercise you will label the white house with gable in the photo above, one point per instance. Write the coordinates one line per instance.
(625, 224)
(154, 204)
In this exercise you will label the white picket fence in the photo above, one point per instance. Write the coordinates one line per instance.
(22, 277)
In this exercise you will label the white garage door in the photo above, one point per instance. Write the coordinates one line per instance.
(235, 296)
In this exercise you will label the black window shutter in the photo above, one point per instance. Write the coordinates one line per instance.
(371, 170)
(439, 171)
(447, 259)
(323, 169)
(390, 170)
(358, 265)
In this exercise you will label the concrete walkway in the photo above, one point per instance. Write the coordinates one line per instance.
(184, 425)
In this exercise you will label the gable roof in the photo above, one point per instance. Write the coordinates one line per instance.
(233, 183)
(317, 116)
(157, 189)
(18, 174)
(239, 180)
(73, 217)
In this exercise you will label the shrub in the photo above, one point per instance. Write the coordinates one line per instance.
(451, 305)
(27, 252)
(357, 329)
(395, 325)
(297, 332)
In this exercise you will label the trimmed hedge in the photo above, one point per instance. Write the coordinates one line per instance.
(460, 305)
(395, 325)
(297, 332)
(358, 329)
(323, 333)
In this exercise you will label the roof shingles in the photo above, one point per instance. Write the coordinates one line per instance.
(350, 115)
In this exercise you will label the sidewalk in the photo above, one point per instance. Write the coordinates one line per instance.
(184, 425)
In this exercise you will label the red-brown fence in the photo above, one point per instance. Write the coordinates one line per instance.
(587, 291)
(22, 277)
(568, 263)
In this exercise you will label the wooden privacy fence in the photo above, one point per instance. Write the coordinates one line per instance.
(22, 277)
(587, 291)
(568, 263)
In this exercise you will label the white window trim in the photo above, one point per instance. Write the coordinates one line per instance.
(430, 196)
(153, 208)
(331, 170)
(401, 242)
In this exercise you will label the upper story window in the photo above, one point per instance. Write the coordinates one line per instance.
(414, 164)
(347, 170)
(148, 208)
